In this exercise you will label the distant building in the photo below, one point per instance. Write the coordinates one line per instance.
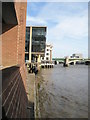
(48, 53)
(77, 55)
(35, 43)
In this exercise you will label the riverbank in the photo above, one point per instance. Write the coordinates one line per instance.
(33, 85)
(59, 92)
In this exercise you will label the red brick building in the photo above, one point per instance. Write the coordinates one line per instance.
(12, 44)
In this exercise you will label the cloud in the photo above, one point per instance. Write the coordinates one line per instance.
(74, 27)
(67, 26)
(35, 21)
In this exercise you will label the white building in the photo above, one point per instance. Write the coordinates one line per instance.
(48, 54)
(77, 55)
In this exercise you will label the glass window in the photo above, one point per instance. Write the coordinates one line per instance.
(47, 58)
(27, 39)
(38, 39)
(26, 56)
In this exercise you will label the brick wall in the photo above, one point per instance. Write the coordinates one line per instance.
(13, 39)
(14, 97)
(21, 16)
(9, 47)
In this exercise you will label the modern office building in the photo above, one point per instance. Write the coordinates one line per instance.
(76, 55)
(35, 43)
(48, 54)
(12, 60)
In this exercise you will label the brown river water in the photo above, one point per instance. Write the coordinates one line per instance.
(63, 92)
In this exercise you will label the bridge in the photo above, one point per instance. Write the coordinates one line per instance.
(72, 61)
(67, 61)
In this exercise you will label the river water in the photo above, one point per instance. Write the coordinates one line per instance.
(63, 92)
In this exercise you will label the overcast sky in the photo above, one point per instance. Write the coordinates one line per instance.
(67, 24)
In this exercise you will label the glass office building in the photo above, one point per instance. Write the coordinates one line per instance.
(36, 39)
(27, 42)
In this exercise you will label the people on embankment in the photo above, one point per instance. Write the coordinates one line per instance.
(32, 69)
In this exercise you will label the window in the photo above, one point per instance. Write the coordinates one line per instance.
(38, 39)
(47, 58)
(47, 54)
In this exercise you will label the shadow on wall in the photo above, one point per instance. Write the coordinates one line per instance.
(9, 19)
(3, 114)
(14, 97)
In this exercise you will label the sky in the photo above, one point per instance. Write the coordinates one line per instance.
(67, 25)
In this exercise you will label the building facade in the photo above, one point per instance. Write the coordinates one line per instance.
(12, 62)
(35, 43)
(48, 54)
(76, 55)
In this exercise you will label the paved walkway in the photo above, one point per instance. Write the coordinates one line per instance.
(30, 93)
